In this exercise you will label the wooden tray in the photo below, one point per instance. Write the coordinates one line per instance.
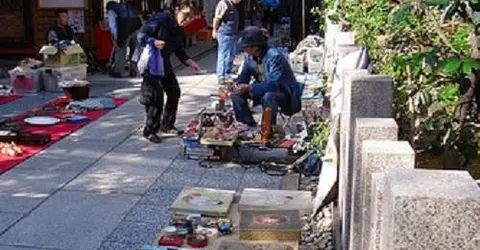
(234, 215)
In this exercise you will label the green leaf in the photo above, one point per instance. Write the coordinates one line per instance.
(449, 93)
(451, 65)
(440, 3)
(469, 65)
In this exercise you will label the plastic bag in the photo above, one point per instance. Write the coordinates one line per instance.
(151, 59)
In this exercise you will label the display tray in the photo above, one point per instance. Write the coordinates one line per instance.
(215, 244)
(263, 199)
(270, 225)
(205, 201)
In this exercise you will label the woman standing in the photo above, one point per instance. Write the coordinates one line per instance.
(163, 31)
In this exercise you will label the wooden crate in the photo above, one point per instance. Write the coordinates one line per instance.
(270, 225)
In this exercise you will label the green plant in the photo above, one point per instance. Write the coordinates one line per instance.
(321, 132)
(431, 64)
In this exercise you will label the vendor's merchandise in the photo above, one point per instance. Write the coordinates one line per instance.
(42, 120)
(69, 56)
(76, 89)
(170, 240)
(224, 226)
(266, 126)
(92, 104)
(263, 199)
(171, 230)
(208, 202)
(270, 225)
(34, 139)
(10, 149)
(238, 245)
(25, 80)
(53, 76)
(197, 240)
(314, 60)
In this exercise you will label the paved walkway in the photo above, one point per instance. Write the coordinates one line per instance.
(104, 187)
(101, 85)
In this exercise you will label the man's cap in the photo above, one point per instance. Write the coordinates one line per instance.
(253, 36)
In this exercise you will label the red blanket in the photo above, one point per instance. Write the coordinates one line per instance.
(57, 132)
(8, 98)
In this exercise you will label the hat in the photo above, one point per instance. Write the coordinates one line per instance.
(252, 36)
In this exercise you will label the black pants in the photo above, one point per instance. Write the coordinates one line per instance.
(152, 91)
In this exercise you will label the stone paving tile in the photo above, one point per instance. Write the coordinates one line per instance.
(227, 182)
(22, 189)
(19, 204)
(148, 213)
(183, 166)
(115, 175)
(160, 196)
(5, 247)
(261, 180)
(170, 179)
(71, 220)
(225, 172)
(8, 219)
(131, 236)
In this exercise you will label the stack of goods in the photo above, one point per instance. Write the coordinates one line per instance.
(199, 217)
(63, 62)
(272, 215)
(299, 57)
(26, 77)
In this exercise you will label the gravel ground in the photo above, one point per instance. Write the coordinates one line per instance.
(317, 232)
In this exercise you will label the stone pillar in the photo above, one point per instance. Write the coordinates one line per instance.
(376, 216)
(366, 129)
(430, 209)
(376, 157)
(364, 96)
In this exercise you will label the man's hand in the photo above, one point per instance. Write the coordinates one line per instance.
(159, 44)
(193, 65)
(241, 89)
(214, 34)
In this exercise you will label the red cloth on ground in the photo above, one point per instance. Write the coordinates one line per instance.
(195, 25)
(8, 98)
(103, 43)
(57, 132)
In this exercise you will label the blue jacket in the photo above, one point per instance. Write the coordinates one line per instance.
(279, 77)
(162, 26)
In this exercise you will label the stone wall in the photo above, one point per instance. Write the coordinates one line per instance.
(384, 203)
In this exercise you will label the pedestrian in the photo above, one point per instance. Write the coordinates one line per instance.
(275, 85)
(225, 30)
(124, 20)
(165, 32)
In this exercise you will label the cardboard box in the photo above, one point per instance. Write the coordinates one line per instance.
(56, 58)
(270, 225)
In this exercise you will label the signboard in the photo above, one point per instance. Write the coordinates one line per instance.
(60, 4)
(76, 19)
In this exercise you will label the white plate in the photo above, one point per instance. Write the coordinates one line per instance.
(42, 120)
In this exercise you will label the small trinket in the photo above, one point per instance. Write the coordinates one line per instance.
(224, 226)
(182, 232)
(172, 240)
(170, 230)
(197, 240)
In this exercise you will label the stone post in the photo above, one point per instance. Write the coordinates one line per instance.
(376, 216)
(376, 157)
(365, 96)
(430, 209)
(365, 129)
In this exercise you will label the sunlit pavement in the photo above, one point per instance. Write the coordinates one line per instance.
(104, 186)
